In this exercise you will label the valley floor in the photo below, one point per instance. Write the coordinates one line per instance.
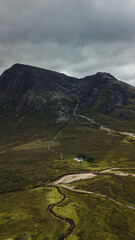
(46, 195)
(35, 201)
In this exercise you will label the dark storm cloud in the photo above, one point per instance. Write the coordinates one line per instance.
(76, 37)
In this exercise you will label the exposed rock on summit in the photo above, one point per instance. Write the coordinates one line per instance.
(30, 89)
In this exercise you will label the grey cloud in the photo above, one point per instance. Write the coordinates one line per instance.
(76, 37)
(66, 21)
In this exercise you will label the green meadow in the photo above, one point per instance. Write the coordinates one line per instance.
(117, 187)
(97, 218)
(23, 215)
(33, 155)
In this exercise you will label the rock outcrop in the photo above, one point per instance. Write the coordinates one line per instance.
(30, 89)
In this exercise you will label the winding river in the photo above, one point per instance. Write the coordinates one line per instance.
(69, 221)
(69, 178)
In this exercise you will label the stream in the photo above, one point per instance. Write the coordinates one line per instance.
(69, 221)
(69, 178)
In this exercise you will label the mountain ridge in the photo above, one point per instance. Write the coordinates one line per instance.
(33, 89)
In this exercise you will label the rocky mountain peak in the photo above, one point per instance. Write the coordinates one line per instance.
(32, 89)
(103, 75)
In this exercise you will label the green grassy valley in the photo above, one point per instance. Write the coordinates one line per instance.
(34, 154)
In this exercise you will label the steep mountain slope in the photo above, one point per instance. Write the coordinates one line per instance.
(30, 89)
(103, 93)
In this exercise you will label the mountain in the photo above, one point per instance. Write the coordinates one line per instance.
(49, 121)
(30, 89)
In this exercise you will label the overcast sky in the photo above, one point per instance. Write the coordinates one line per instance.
(77, 37)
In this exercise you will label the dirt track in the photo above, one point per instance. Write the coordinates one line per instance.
(96, 194)
(74, 177)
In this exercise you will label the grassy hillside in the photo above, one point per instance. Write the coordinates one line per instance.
(33, 153)
(23, 215)
(25, 159)
(119, 188)
(97, 218)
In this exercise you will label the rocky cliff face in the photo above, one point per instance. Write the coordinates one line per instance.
(31, 89)
(105, 94)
